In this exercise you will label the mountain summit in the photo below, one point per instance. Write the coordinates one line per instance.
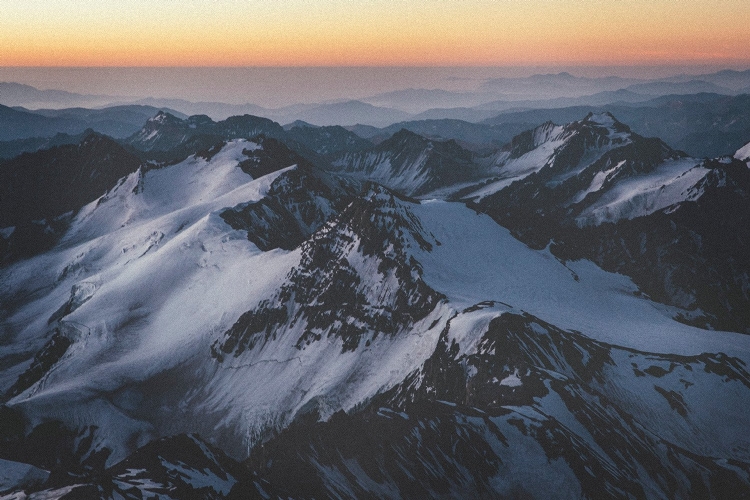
(235, 310)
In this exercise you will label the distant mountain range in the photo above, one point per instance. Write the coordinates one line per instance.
(17, 94)
(535, 91)
(729, 78)
(567, 85)
(350, 113)
(703, 125)
(165, 137)
(118, 121)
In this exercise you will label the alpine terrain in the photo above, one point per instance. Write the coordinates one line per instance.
(237, 309)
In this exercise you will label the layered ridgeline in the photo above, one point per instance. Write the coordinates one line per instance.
(595, 190)
(240, 322)
(117, 121)
(411, 164)
(168, 138)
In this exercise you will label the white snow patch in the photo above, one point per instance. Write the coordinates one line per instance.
(743, 153)
(200, 479)
(641, 195)
(512, 380)
(598, 181)
(479, 261)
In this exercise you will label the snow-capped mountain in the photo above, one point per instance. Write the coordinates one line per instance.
(580, 410)
(165, 131)
(564, 151)
(243, 323)
(703, 125)
(411, 164)
(169, 139)
(40, 191)
(634, 205)
(594, 170)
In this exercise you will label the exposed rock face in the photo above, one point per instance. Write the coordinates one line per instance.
(328, 140)
(677, 226)
(524, 410)
(245, 324)
(355, 281)
(411, 164)
(166, 138)
(557, 395)
(298, 202)
(40, 191)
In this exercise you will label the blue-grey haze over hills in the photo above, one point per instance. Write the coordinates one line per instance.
(280, 87)
(443, 103)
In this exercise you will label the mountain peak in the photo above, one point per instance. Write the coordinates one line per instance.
(164, 117)
(404, 139)
(199, 120)
(165, 132)
(92, 138)
(607, 120)
(603, 118)
(405, 133)
(300, 124)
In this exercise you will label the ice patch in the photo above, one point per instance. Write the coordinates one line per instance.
(641, 195)
(512, 380)
(479, 260)
(743, 153)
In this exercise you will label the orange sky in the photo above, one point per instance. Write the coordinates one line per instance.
(377, 32)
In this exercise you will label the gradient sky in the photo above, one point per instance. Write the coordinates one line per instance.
(376, 32)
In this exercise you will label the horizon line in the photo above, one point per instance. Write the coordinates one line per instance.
(399, 66)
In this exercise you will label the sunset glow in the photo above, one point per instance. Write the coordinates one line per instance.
(397, 32)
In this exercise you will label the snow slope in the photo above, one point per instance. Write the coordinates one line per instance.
(150, 276)
(480, 261)
(550, 144)
(14, 475)
(670, 183)
(410, 164)
(743, 153)
(546, 139)
(150, 270)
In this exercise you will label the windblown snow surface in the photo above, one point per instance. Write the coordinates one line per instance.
(153, 276)
(670, 183)
(743, 153)
(547, 138)
(547, 142)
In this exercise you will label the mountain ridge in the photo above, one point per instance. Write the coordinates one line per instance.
(243, 316)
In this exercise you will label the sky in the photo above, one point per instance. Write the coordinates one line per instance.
(241, 33)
